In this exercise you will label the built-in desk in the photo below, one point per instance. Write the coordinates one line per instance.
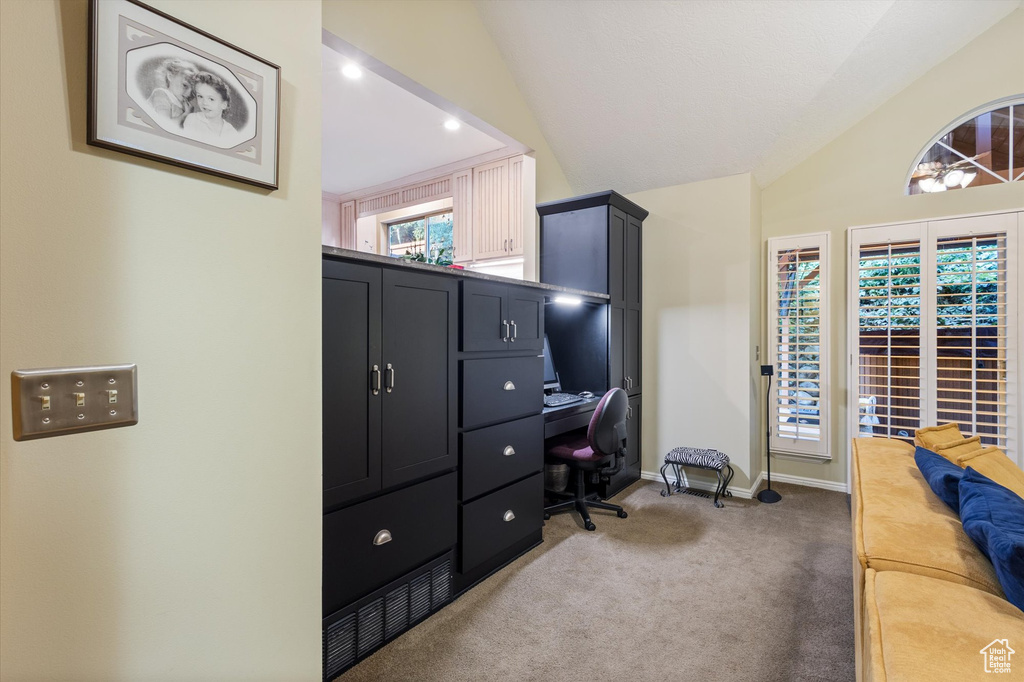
(564, 418)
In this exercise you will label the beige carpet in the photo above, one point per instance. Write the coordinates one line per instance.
(678, 591)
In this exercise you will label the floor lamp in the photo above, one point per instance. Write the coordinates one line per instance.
(768, 495)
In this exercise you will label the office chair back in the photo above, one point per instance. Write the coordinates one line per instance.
(607, 428)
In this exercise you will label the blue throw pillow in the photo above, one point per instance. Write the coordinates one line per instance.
(942, 475)
(993, 516)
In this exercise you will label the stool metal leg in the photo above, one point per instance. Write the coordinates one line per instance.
(668, 488)
(719, 488)
(728, 480)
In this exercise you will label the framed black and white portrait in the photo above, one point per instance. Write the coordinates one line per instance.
(164, 90)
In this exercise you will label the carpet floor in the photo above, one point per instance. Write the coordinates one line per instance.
(678, 591)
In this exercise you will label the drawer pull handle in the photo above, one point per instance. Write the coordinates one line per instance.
(509, 516)
(376, 379)
(382, 538)
(505, 324)
(515, 331)
(509, 451)
(509, 386)
(391, 378)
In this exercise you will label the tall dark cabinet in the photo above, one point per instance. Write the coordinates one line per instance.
(595, 243)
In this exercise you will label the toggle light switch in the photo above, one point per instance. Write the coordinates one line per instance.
(67, 409)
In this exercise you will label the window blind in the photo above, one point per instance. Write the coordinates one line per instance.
(799, 347)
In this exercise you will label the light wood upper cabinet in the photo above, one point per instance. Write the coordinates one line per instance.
(501, 205)
(348, 225)
(462, 215)
(490, 210)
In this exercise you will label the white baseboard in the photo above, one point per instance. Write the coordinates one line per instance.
(810, 482)
(746, 494)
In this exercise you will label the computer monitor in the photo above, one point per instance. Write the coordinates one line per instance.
(551, 382)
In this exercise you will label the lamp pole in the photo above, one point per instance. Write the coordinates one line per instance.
(768, 495)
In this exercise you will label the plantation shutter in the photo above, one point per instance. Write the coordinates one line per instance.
(799, 346)
(934, 328)
(888, 344)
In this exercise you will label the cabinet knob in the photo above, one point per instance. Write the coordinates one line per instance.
(509, 516)
(509, 451)
(509, 386)
(382, 537)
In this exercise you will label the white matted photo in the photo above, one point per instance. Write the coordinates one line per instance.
(164, 90)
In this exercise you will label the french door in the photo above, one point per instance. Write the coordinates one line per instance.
(934, 328)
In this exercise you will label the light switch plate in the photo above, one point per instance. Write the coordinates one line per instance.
(56, 402)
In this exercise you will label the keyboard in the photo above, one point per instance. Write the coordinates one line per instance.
(556, 399)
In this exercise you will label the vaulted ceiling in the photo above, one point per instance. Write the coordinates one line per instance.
(639, 94)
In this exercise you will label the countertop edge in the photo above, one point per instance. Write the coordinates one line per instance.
(350, 254)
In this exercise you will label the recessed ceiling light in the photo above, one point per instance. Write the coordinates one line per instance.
(352, 71)
(452, 124)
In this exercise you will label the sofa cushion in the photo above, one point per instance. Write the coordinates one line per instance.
(921, 628)
(994, 518)
(900, 524)
(957, 448)
(993, 463)
(930, 436)
(942, 476)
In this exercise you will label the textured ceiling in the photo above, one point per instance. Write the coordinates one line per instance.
(639, 94)
(375, 131)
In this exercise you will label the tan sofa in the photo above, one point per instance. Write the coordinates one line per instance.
(926, 600)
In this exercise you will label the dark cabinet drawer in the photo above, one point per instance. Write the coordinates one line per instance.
(499, 520)
(421, 520)
(497, 455)
(500, 389)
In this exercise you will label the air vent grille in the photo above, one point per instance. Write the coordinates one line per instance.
(366, 625)
(340, 646)
(396, 611)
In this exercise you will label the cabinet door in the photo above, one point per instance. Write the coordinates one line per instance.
(485, 315)
(515, 206)
(462, 215)
(420, 398)
(351, 300)
(616, 256)
(490, 210)
(631, 358)
(526, 317)
(634, 263)
(616, 350)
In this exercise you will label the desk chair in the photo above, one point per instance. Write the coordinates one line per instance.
(601, 454)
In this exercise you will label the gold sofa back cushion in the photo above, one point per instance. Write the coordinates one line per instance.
(953, 449)
(931, 436)
(994, 463)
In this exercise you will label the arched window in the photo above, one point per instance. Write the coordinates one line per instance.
(982, 147)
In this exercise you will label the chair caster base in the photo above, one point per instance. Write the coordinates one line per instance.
(590, 526)
(623, 514)
(547, 517)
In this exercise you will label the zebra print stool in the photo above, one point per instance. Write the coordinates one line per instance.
(700, 458)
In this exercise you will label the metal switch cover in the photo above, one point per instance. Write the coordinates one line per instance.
(56, 402)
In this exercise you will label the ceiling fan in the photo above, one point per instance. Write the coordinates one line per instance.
(935, 176)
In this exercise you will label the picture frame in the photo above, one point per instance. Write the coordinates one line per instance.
(162, 89)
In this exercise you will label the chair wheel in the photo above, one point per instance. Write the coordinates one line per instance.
(547, 517)
(623, 514)
(590, 526)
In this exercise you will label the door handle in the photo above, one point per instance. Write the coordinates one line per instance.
(391, 378)
(382, 537)
(510, 245)
(515, 331)
(509, 386)
(509, 451)
(376, 379)
(505, 324)
(629, 413)
(509, 516)
(506, 245)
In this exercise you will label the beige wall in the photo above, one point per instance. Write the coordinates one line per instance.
(700, 304)
(858, 179)
(188, 546)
